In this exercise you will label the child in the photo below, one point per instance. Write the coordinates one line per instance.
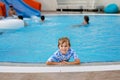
(11, 12)
(21, 18)
(86, 20)
(84, 23)
(64, 53)
(42, 18)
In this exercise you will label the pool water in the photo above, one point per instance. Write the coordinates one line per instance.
(97, 42)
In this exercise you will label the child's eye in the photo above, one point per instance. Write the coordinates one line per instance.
(61, 46)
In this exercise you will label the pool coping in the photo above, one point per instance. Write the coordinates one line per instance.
(83, 14)
(43, 68)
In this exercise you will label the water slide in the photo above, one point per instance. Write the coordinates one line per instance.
(34, 4)
(22, 8)
(2, 9)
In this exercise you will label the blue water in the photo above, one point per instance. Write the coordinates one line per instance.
(97, 42)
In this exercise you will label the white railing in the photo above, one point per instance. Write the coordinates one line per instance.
(76, 4)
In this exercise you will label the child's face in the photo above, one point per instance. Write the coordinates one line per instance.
(64, 47)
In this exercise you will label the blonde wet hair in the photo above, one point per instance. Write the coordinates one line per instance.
(63, 40)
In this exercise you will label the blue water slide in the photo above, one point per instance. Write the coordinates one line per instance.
(22, 8)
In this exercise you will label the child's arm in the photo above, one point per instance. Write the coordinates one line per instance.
(77, 61)
(53, 63)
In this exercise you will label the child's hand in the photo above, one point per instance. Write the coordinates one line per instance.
(64, 62)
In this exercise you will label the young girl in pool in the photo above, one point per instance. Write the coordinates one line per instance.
(84, 23)
(86, 20)
(63, 54)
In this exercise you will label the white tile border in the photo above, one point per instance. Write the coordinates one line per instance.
(46, 69)
(82, 14)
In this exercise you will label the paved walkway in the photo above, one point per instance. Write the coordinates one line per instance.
(101, 75)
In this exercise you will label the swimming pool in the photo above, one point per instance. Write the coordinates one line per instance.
(97, 42)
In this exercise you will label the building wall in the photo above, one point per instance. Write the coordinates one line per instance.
(106, 2)
(48, 5)
(51, 5)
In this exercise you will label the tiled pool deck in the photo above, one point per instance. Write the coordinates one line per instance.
(104, 75)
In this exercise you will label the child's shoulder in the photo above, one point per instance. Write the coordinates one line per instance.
(57, 52)
(71, 50)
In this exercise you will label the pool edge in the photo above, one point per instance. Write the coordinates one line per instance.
(43, 68)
